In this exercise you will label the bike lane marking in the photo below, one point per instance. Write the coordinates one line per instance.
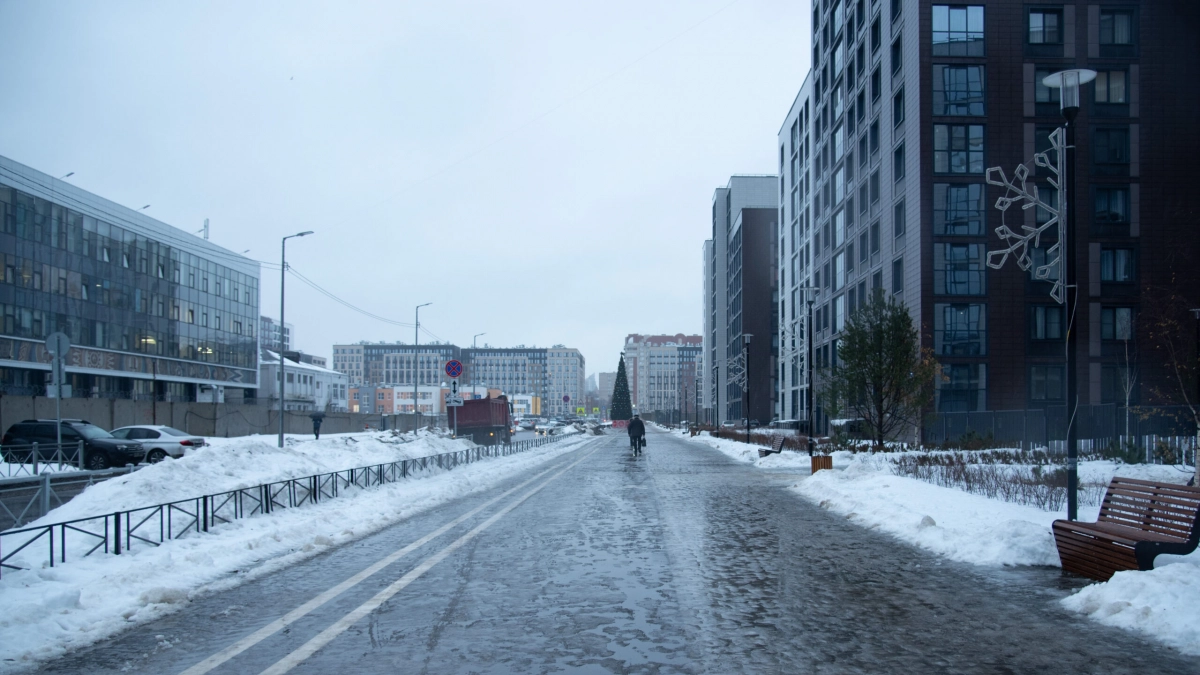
(326, 636)
(291, 617)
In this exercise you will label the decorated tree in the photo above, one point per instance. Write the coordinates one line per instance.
(621, 408)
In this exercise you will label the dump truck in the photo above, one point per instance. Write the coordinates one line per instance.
(487, 421)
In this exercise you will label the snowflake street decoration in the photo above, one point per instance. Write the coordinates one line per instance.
(1018, 191)
(736, 370)
(793, 348)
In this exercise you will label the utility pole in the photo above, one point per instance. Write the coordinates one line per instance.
(282, 367)
(416, 362)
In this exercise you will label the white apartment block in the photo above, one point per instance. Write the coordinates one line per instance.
(565, 378)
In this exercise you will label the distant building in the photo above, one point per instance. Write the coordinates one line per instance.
(739, 296)
(308, 387)
(275, 337)
(662, 370)
(513, 370)
(525, 405)
(565, 372)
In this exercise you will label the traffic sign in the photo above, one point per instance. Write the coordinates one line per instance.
(58, 344)
(566, 399)
(454, 368)
(454, 402)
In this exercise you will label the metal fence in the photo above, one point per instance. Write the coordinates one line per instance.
(37, 458)
(24, 499)
(1098, 425)
(157, 524)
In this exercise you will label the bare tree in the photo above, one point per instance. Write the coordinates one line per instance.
(882, 375)
(1170, 332)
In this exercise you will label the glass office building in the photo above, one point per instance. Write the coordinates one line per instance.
(152, 312)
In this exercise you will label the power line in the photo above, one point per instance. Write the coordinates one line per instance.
(331, 296)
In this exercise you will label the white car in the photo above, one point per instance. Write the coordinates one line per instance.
(160, 441)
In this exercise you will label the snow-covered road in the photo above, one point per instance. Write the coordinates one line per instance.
(594, 561)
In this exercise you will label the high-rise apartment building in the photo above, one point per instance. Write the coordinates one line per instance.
(273, 336)
(913, 100)
(739, 300)
(513, 370)
(565, 373)
(152, 312)
(662, 371)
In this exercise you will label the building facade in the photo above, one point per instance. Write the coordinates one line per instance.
(565, 387)
(308, 387)
(914, 100)
(152, 312)
(513, 370)
(729, 202)
(662, 372)
(795, 255)
(276, 337)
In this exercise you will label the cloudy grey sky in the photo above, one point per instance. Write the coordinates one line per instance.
(540, 171)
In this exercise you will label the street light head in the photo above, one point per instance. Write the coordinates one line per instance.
(68, 175)
(1068, 81)
(305, 233)
(144, 207)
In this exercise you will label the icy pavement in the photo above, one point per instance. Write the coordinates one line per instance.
(677, 561)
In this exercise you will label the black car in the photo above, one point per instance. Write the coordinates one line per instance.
(100, 448)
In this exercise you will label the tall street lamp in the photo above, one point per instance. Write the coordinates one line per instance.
(1196, 449)
(416, 361)
(1068, 81)
(282, 360)
(810, 294)
(746, 374)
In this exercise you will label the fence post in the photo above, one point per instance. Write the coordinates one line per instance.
(204, 511)
(117, 533)
(34, 457)
(79, 455)
(45, 493)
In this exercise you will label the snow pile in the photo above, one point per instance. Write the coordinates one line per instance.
(748, 454)
(45, 611)
(1163, 603)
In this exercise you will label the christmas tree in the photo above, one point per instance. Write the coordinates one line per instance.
(621, 408)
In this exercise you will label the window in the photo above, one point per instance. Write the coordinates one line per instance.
(957, 30)
(1116, 28)
(897, 54)
(958, 269)
(874, 181)
(1045, 27)
(1111, 206)
(963, 389)
(839, 142)
(839, 313)
(873, 134)
(958, 209)
(877, 281)
(1048, 195)
(862, 248)
(898, 275)
(836, 101)
(1042, 93)
(1046, 383)
(1111, 146)
(875, 240)
(958, 90)
(958, 148)
(898, 108)
(898, 163)
(876, 34)
(839, 228)
(839, 271)
(898, 221)
(1116, 323)
(1116, 265)
(1045, 322)
(896, 5)
(1110, 86)
(876, 85)
(959, 330)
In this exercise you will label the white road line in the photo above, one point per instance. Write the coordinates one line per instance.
(287, 619)
(329, 634)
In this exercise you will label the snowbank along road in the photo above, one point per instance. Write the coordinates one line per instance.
(680, 560)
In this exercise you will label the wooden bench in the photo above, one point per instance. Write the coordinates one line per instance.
(776, 447)
(1138, 520)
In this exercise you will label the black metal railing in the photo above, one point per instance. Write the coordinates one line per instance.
(159, 523)
(32, 459)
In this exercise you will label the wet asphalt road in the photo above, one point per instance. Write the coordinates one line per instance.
(678, 561)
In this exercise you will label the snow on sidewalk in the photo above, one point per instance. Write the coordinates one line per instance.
(1163, 603)
(45, 611)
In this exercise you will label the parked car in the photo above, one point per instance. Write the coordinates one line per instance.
(729, 424)
(100, 448)
(160, 441)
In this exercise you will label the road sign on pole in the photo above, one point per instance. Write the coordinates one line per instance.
(454, 368)
(58, 344)
(566, 399)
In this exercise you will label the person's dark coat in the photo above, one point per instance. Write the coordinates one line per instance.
(637, 428)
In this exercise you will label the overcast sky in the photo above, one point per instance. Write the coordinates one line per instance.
(541, 172)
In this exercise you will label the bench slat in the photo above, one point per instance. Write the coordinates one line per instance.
(1146, 497)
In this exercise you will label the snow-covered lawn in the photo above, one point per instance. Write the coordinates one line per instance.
(1163, 603)
(47, 611)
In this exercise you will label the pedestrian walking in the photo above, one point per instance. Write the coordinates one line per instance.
(637, 434)
(316, 419)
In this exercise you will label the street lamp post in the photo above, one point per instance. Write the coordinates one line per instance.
(1196, 448)
(746, 387)
(416, 362)
(810, 295)
(282, 360)
(1059, 269)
